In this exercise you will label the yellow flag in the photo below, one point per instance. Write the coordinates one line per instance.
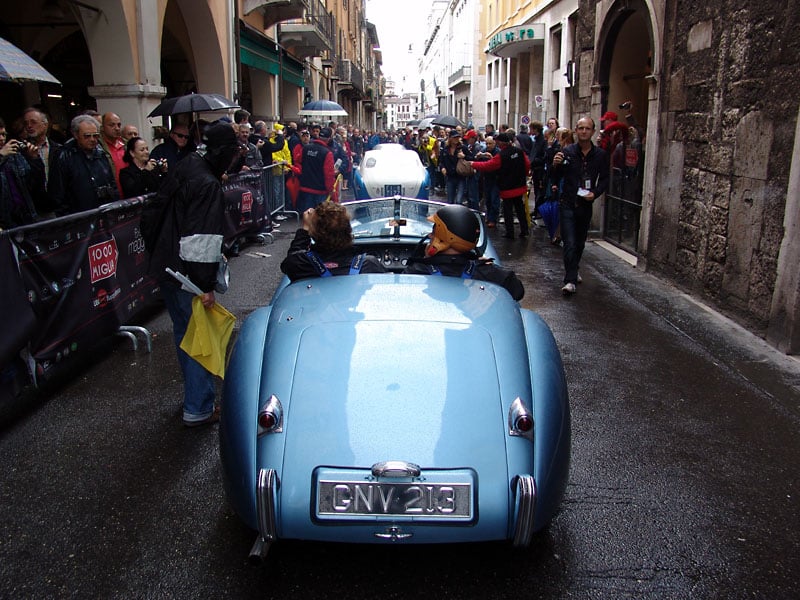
(207, 336)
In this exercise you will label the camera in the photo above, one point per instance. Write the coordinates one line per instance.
(105, 192)
(161, 163)
(625, 105)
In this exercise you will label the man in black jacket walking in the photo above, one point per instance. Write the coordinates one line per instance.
(584, 168)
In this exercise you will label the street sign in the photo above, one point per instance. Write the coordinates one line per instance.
(525, 120)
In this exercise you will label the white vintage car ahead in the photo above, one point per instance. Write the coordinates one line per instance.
(391, 170)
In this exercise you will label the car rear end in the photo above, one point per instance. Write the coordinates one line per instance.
(391, 408)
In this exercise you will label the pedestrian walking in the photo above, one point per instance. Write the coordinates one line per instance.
(584, 169)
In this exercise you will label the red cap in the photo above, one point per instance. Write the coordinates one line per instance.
(609, 116)
(471, 133)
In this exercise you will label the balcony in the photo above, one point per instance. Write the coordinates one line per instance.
(276, 11)
(462, 76)
(350, 77)
(310, 35)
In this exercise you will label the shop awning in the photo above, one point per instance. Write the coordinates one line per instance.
(259, 52)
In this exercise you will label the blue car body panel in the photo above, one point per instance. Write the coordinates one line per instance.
(383, 367)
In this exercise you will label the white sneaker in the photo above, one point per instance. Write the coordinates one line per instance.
(569, 288)
(580, 279)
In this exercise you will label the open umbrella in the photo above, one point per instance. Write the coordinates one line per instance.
(15, 65)
(322, 108)
(192, 103)
(447, 121)
(425, 123)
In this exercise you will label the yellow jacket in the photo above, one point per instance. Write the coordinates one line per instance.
(284, 154)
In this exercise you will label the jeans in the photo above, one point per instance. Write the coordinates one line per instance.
(575, 219)
(306, 200)
(198, 384)
(492, 193)
(473, 199)
(455, 190)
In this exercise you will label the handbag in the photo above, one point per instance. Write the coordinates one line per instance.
(464, 169)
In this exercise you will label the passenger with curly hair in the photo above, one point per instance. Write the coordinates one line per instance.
(324, 246)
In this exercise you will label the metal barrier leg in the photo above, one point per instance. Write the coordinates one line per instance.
(132, 330)
(131, 337)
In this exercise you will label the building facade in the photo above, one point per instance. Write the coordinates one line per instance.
(707, 196)
(125, 56)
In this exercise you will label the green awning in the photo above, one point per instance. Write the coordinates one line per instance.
(259, 53)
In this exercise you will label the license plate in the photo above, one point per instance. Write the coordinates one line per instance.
(393, 190)
(369, 498)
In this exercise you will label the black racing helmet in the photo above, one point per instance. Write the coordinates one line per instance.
(454, 226)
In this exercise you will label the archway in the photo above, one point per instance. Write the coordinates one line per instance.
(624, 74)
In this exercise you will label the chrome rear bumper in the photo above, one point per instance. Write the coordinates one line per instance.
(525, 493)
(266, 492)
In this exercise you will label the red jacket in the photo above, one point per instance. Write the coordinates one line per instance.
(520, 187)
(314, 166)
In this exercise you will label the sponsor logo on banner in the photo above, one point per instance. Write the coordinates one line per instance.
(247, 201)
(103, 259)
(136, 247)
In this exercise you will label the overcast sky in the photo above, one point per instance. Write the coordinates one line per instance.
(399, 23)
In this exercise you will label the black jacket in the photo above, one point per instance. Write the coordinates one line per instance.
(190, 240)
(138, 182)
(579, 168)
(536, 155)
(453, 265)
(79, 181)
(299, 265)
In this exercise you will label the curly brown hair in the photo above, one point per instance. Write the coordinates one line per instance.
(332, 231)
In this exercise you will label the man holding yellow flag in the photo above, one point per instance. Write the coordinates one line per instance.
(186, 237)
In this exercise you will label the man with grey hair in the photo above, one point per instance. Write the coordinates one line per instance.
(81, 177)
(36, 125)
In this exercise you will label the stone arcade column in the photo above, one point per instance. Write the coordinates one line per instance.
(125, 47)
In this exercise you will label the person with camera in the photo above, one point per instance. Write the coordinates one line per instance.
(81, 177)
(22, 181)
(323, 246)
(143, 175)
(584, 168)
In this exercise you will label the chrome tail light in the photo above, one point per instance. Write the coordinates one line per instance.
(520, 420)
(270, 417)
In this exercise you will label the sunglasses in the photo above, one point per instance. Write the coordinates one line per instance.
(180, 135)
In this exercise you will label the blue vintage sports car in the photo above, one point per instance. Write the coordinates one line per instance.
(391, 408)
(391, 170)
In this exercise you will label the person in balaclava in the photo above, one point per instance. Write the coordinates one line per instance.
(451, 251)
(190, 241)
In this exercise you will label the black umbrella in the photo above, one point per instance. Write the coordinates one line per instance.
(448, 121)
(192, 103)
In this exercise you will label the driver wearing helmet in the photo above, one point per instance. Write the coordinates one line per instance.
(451, 252)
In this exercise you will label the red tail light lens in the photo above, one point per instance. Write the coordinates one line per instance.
(270, 417)
(267, 420)
(524, 423)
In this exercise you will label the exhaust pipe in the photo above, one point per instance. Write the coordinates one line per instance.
(258, 553)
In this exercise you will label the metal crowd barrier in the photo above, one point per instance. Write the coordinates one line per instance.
(72, 281)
